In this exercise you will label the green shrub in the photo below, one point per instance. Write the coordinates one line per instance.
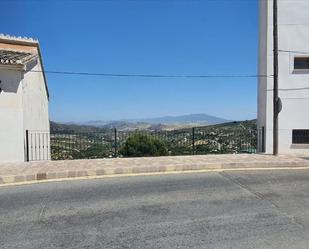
(140, 145)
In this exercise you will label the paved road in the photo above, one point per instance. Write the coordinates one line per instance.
(262, 209)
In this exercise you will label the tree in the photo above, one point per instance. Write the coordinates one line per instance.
(139, 145)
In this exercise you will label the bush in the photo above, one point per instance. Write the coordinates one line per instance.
(139, 145)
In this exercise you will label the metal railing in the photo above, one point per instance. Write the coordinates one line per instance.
(37, 145)
(91, 145)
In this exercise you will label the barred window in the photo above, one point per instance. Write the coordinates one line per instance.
(300, 136)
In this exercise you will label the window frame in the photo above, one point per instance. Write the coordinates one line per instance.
(300, 70)
(300, 139)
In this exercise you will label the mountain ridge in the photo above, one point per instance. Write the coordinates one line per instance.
(125, 126)
(199, 118)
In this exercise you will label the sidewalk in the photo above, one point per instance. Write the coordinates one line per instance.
(48, 170)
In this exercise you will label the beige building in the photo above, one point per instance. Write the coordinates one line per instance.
(23, 101)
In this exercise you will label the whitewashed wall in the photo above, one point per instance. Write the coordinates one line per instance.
(293, 87)
(11, 116)
(23, 106)
(35, 113)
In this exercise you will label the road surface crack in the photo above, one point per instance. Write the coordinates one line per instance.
(42, 212)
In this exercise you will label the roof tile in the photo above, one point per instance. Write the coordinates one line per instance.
(15, 58)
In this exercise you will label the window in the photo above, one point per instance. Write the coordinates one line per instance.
(300, 137)
(301, 63)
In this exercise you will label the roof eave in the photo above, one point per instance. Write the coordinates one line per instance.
(19, 42)
(29, 43)
(29, 59)
(16, 67)
(42, 66)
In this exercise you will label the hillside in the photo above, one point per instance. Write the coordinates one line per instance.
(186, 119)
(127, 126)
(177, 121)
(76, 128)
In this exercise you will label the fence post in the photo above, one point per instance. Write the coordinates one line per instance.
(27, 145)
(115, 143)
(263, 139)
(193, 141)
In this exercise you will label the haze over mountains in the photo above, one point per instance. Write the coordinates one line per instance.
(203, 119)
(160, 123)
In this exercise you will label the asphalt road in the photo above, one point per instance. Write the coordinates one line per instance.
(261, 209)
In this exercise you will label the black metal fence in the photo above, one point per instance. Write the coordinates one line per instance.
(193, 141)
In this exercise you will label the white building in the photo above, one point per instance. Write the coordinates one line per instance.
(293, 20)
(23, 101)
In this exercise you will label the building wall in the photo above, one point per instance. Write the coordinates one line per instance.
(35, 113)
(11, 116)
(23, 106)
(262, 68)
(293, 86)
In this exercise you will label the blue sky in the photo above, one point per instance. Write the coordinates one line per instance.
(143, 37)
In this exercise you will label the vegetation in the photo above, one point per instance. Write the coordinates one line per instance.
(232, 137)
(73, 128)
(139, 145)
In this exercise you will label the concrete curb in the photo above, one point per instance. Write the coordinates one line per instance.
(135, 170)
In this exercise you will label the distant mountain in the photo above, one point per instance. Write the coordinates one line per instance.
(127, 126)
(186, 119)
(151, 124)
(123, 125)
(190, 119)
